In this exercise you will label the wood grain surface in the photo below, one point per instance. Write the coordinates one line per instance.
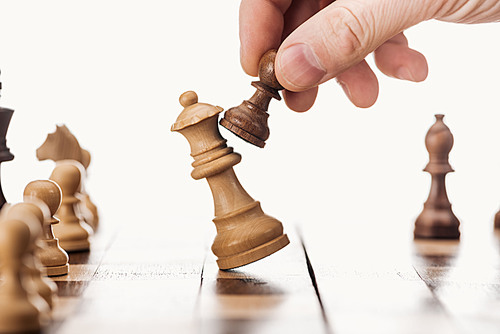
(341, 282)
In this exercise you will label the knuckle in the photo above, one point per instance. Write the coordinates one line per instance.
(345, 33)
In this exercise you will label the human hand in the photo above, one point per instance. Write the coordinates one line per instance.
(323, 39)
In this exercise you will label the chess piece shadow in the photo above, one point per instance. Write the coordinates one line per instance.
(433, 259)
(266, 297)
(240, 284)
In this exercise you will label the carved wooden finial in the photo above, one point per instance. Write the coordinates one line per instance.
(439, 142)
(188, 98)
(249, 119)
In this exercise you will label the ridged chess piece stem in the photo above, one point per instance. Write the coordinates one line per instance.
(249, 119)
(244, 232)
(437, 219)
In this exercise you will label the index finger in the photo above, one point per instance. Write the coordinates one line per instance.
(261, 28)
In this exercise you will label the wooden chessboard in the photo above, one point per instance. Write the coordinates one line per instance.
(342, 279)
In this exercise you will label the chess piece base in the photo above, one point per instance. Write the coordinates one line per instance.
(57, 270)
(75, 245)
(242, 133)
(253, 254)
(434, 223)
(51, 254)
(73, 235)
(436, 232)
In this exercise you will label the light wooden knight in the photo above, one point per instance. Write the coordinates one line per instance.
(63, 145)
(244, 232)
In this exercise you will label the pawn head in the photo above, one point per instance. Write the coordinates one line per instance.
(30, 214)
(267, 72)
(15, 237)
(45, 190)
(68, 177)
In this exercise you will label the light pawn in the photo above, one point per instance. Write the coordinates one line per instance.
(72, 233)
(33, 216)
(52, 256)
(19, 309)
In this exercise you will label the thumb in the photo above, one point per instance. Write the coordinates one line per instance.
(341, 35)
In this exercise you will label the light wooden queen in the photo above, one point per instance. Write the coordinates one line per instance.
(244, 232)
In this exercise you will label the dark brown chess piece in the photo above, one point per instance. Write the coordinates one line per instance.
(437, 220)
(497, 220)
(249, 119)
(5, 155)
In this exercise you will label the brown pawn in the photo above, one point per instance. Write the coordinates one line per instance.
(497, 220)
(249, 119)
(437, 220)
(244, 232)
(71, 231)
(18, 314)
(53, 257)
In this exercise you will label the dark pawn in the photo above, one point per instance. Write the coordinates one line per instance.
(497, 220)
(437, 220)
(249, 119)
(5, 155)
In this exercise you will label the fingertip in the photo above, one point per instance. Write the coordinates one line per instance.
(361, 98)
(360, 85)
(421, 68)
(401, 62)
(249, 66)
(300, 101)
(368, 102)
(298, 68)
(260, 29)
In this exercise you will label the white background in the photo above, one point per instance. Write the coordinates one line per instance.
(112, 71)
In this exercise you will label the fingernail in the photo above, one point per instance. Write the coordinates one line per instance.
(300, 66)
(404, 73)
(345, 88)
